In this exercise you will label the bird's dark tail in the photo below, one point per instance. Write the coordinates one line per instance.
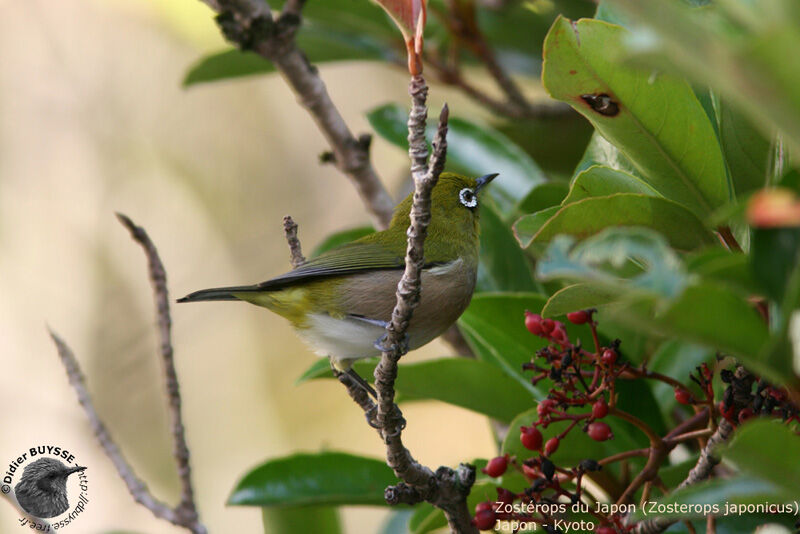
(219, 293)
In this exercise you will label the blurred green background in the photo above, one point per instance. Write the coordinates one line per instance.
(93, 120)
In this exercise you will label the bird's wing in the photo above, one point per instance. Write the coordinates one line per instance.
(351, 258)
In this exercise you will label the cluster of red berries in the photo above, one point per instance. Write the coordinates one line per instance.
(580, 379)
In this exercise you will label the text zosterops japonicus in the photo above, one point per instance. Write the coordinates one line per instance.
(340, 301)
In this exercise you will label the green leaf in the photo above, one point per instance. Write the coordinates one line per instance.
(319, 42)
(528, 225)
(494, 327)
(600, 152)
(472, 149)
(719, 492)
(503, 265)
(738, 48)
(340, 238)
(591, 215)
(578, 297)
(715, 316)
(543, 196)
(648, 116)
(606, 258)
(723, 266)
(317, 519)
(472, 384)
(769, 450)
(775, 252)
(600, 181)
(328, 478)
(748, 153)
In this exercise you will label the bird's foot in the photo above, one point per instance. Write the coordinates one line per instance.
(381, 345)
(396, 426)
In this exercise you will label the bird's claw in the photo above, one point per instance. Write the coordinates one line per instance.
(380, 344)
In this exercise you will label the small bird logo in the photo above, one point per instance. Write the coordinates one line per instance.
(42, 491)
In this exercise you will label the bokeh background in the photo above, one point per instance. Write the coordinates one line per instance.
(93, 120)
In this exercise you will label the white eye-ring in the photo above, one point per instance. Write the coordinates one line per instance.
(468, 197)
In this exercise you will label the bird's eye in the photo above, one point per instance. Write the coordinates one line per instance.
(468, 197)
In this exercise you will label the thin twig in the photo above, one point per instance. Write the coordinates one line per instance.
(295, 249)
(158, 279)
(185, 513)
(251, 26)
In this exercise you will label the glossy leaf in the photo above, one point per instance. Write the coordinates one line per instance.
(647, 117)
(494, 327)
(290, 520)
(715, 316)
(503, 265)
(724, 266)
(775, 252)
(319, 42)
(600, 181)
(738, 490)
(544, 196)
(767, 449)
(748, 153)
(340, 238)
(589, 216)
(737, 48)
(471, 149)
(605, 258)
(578, 297)
(468, 383)
(527, 226)
(600, 152)
(329, 478)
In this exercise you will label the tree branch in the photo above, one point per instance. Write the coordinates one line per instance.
(185, 513)
(295, 249)
(250, 25)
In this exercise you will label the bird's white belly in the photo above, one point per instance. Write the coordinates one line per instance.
(342, 339)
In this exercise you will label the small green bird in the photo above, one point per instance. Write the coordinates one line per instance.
(341, 301)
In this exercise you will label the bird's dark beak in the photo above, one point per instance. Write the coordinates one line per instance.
(75, 469)
(484, 181)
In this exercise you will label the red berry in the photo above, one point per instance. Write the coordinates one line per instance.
(551, 446)
(505, 496)
(496, 466)
(559, 335)
(533, 322)
(599, 431)
(484, 505)
(485, 519)
(548, 325)
(599, 409)
(609, 357)
(579, 317)
(530, 437)
(683, 396)
(530, 472)
(605, 530)
(545, 407)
